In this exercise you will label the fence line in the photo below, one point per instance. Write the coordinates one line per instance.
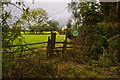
(26, 44)
(36, 47)
(50, 46)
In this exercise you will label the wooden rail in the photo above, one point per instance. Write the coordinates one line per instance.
(23, 55)
(22, 48)
(26, 44)
(63, 42)
(25, 49)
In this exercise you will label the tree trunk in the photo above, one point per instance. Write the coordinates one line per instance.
(116, 4)
(24, 32)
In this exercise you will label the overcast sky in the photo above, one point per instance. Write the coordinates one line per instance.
(56, 10)
(42, 0)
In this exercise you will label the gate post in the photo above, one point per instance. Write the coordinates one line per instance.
(64, 47)
(48, 46)
(66, 34)
(21, 50)
(52, 43)
(65, 42)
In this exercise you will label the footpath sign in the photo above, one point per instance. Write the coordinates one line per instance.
(75, 33)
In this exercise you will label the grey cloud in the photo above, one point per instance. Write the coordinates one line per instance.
(56, 10)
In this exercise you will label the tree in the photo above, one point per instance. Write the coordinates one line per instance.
(9, 36)
(85, 12)
(35, 18)
(53, 24)
(110, 11)
(24, 30)
(18, 24)
(45, 27)
(69, 23)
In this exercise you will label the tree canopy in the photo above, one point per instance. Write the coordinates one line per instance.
(34, 18)
(69, 23)
(53, 24)
(88, 13)
(85, 12)
(9, 36)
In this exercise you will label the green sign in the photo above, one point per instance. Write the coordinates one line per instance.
(75, 33)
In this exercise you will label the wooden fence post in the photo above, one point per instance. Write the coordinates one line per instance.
(48, 46)
(21, 51)
(65, 42)
(52, 43)
(64, 47)
(66, 35)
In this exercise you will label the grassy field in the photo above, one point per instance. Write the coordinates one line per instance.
(41, 38)
(33, 38)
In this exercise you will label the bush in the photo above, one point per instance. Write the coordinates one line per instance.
(93, 40)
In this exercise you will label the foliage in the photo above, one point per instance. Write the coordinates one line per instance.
(69, 34)
(34, 19)
(94, 35)
(17, 25)
(9, 36)
(85, 13)
(110, 29)
(69, 25)
(93, 40)
(53, 25)
(109, 11)
(97, 48)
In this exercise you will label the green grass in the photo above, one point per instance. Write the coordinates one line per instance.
(41, 38)
(33, 38)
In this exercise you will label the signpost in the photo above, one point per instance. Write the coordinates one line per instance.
(73, 27)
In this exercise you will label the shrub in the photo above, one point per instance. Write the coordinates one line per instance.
(93, 40)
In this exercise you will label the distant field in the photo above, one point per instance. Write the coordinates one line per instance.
(41, 32)
(41, 38)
